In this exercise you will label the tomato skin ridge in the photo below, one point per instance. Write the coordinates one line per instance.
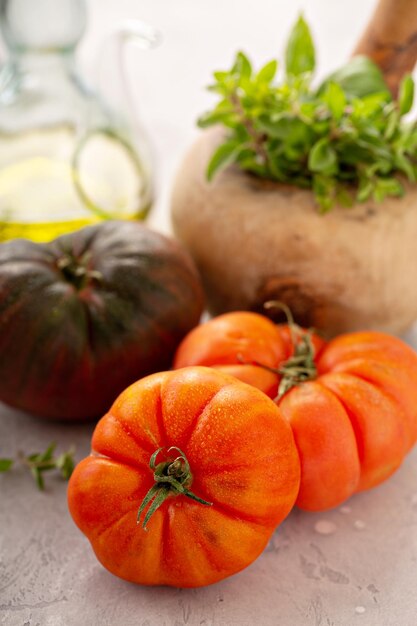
(312, 479)
(141, 443)
(114, 522)
(356, 425)
(197, 417)
(379, 385)
(137, 467)
(215, 420)
(160, 422)
(232, 512)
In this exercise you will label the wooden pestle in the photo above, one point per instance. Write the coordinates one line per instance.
(390, 39)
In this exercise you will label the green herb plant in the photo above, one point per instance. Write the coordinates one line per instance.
(39, 463)
(346, 139)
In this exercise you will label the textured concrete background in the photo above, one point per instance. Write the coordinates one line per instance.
(364, 570)
(50, 577)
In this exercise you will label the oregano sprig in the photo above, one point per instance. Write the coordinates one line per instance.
(346, 139)
(41, 462)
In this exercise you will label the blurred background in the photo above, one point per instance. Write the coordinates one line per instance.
(200, 36)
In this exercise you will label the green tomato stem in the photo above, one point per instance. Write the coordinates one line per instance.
(172, 477)
(300, 367)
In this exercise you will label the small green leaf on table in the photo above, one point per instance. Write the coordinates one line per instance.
(40, 462)
(6, 464)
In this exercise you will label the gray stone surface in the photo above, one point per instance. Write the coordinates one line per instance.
(50, 577)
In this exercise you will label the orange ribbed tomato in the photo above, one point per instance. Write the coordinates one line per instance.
(234, 342)
(207, 460)
(352, 406)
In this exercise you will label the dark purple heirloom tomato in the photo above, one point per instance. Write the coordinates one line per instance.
(89, 313)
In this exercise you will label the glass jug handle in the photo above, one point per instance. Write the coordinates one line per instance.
(117, 90)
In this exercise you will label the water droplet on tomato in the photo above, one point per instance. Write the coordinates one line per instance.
(325, 527)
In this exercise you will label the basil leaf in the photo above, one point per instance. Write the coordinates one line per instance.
(322, 157)
(359, 77)
(392, 124)
(215, 117)
(267, 73)
(286, 128)
(335, 98)
(225, 154)
(404, 165)
(324, 188)
(406, 96)
(391, 186)
(365, 190)
(242, 66)
(344, 198)
(300, 56)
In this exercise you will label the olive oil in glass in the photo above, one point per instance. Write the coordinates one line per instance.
(66, 158)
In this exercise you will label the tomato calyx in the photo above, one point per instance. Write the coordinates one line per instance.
(172, 477)
(77, 271)
(300, 366)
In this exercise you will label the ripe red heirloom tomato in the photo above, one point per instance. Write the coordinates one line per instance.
(351, 403)
(209, 463)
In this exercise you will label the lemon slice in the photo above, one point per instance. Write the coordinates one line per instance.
(109, 177)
